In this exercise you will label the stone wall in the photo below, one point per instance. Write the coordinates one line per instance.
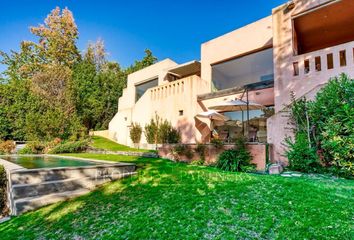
(258, 152)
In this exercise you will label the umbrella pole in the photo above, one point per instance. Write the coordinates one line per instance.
(248, 112)
(243, 125)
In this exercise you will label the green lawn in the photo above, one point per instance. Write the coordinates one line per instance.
(106, 144)
(169, 200)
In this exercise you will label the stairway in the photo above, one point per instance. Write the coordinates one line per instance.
(31, 189)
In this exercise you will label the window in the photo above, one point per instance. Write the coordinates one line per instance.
(318, 64)
(307, 66)
(330, 61)
(342, 58)
(252, 68)
(180, 112)
(255, 130)
(140, 89)
(296, 68)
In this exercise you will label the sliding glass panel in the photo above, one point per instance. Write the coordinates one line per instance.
(252, 68)
(236, 127)
(142, 88)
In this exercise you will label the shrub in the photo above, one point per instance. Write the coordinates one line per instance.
(217, 143)
(174, 136)
(26, 150)
(200, 149)
(236, 160)
(3, 193)
(183, 150)
(151, 131)
(70, 147)
(135, 133)
(302, 157)
(327, 124)
(333, 116)
(168, 134)
(7, 147)
(34, 148)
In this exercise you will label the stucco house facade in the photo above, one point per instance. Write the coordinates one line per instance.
(298, 48)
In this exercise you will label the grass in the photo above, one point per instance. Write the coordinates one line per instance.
(106, 144)
(167, 200)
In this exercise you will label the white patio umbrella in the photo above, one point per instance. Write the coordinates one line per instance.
(214, 117)
(236, 105)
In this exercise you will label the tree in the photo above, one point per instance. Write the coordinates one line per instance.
(49, 90)
(57, 38)
(135, 133)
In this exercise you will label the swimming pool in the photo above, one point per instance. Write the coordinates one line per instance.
(47, 161)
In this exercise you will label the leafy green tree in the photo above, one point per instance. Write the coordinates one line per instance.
(48, 90)
(57, 38)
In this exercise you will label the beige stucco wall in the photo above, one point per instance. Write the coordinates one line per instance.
(306, 84)
(119, 125)
(165, 100)
(257, 35)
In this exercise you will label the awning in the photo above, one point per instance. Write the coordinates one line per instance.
(186, 69)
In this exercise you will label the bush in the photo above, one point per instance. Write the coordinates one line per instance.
(217, 143)
(168, 134)
(236, 160)
(174, 136)
(33, 148)
(200, 149)
(3, 193)
(135, 133)
(333, 116)
(151, 131)
(327, 125)
(7, 147)
(70, 147)
(26, 150)
(183, 150)
(302, 157)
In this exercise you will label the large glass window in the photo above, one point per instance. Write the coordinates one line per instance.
(254, 130)
(252, 68)
(142, 88)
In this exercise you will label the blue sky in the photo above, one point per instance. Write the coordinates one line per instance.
(173, 29)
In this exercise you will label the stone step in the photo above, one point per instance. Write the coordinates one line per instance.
(36, 176)
(71, 184)
(32, 203)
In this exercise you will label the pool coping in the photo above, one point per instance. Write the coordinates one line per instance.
(12, 167)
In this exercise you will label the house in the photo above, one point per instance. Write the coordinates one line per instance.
(298, 48)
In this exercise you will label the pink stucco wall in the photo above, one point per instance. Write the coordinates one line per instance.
(305, 84)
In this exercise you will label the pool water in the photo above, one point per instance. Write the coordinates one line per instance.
(32, 162)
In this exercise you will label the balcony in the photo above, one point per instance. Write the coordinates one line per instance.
(330, 61)
(175, 88)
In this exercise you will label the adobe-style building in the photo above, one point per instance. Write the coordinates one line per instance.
(298, 48)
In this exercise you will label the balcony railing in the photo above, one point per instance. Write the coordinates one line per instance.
(324, 61)
(177, 87)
